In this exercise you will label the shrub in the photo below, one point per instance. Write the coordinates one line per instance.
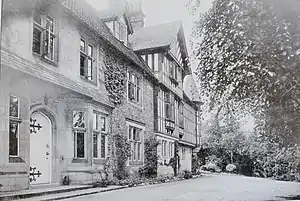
(187, 174)
(231, 168)
(210, 167)
(149, 170)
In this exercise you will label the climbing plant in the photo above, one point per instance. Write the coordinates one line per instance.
(122, 153)
(115, 76)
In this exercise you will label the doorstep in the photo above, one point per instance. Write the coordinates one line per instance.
(4, 196)
(72, 194)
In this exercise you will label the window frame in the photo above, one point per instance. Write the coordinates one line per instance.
(136, 145)
(136, 83)
(76, 131)
(14, 120)
(100, 133)
(42, 27)
(87, 57)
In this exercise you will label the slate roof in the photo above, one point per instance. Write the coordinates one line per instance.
(90, 16)
(155, 36)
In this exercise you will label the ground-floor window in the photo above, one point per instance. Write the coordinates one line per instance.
(171, 149)
(135, 136)
(79, 130)
(164, 148)
(14, 121)
(100, 130)
(79, 144)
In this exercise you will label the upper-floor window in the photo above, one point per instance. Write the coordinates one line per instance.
(134, 87)
(121, 31)
(43, 42)
(169, 106)
(86, 60)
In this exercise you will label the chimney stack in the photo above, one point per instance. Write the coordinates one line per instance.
(136, 15)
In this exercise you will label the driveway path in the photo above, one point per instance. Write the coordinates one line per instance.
(208, 188)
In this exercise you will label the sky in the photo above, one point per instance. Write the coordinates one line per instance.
(163, 11)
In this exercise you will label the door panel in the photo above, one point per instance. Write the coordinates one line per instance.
(40, 149)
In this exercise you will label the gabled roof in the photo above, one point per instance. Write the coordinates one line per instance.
(90, 16)
(115, 13)
(155, 36)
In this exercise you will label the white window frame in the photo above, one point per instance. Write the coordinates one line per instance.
(51, 34)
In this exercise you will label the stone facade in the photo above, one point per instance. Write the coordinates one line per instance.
(56, 89)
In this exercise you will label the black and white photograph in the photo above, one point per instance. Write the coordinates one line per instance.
(150, 100)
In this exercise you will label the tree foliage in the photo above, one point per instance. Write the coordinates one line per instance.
(246, 54)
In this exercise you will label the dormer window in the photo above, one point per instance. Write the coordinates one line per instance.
(121, 32)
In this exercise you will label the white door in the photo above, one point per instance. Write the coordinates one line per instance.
(40, 149)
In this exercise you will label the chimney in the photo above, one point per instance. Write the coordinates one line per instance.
(136, 15)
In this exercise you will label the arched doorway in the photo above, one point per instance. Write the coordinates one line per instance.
(40, 149)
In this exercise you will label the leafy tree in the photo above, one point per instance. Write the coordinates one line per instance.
(248, 56)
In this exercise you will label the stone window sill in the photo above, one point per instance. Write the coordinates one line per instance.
(79, 160)
(44, 59)
(99, 161)
(88, 81)
(16, 160)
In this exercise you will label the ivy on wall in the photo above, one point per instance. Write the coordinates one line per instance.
(115, 76)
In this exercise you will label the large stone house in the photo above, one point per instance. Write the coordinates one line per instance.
(163, 47)
(63, 76)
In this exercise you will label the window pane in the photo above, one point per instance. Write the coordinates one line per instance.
(36, 42)
(13, 139)
(37, 18)
(90, 50)
(82, 45)
(103, 143)
(130, 132)
(82, 65)
(95, 127)
(50, 44)
(90, 69)
(80, 145)
(13, 106)
(50, 24)
(78, 119)
(156, 62)
(139, 151)
(138, 94)
(103, 123)
(134, 148)
(95, 145)
(150, 60)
